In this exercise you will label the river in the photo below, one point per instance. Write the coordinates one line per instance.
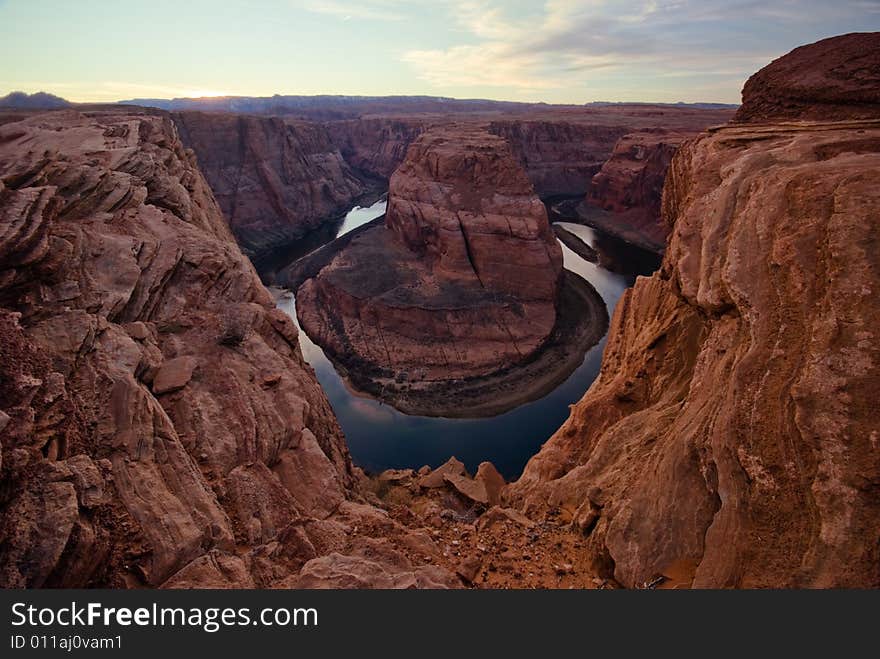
(380, 437)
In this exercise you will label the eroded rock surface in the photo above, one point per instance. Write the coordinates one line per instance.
(274, 178)
(833, 79)
(160, 426)
(731, 435)
(462, 280)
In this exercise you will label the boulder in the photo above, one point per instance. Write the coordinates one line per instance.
(492, 481)
(436, 478)
(174, 374)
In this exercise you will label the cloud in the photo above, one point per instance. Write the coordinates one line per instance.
(565, 43)
(382, 10)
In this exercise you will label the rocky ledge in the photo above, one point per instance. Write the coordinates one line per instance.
(462, 282)
(731, 437)
(159, 426)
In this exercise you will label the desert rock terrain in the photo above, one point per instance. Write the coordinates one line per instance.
(730, 436)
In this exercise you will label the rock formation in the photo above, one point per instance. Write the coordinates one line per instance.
(836, 78)
(560, 156)
(274, 178)
(731, 435)
(629, 188)
(159, 425)
(374, 147)
(462, 281)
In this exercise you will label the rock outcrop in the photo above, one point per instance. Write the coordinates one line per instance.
(159, 425)
(374, 147)
(461, 202)
(629, 188)
(559, 156)
(461, 282)
(274, 178)
(731, 435)
(832, 79)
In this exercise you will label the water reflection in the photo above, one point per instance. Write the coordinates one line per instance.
(381, 437)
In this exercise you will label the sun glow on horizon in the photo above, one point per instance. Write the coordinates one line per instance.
(205, 93)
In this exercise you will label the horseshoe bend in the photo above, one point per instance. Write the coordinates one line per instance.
(419, 342)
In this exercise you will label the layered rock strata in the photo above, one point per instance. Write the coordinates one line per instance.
(624, 196)
(462, 280)
(158, 424)
(731, 438)
(274, 178)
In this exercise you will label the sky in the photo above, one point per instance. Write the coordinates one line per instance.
(558, 51)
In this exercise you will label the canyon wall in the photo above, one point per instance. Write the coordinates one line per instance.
(374, 147)
(274, 178)
(159, 426)
(730, 439)
(629, 187)
(560, 157)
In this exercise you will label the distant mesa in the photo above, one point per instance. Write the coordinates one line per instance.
(37, 101)
(328, 107)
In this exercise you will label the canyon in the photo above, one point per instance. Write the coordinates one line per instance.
(277, 177)
(462, 283)
(161, 427)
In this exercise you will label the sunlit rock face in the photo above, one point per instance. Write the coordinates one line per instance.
(731, 437)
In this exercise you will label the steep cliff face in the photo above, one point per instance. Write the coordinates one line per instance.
(629, 187)
(461, 201)
(158, 423)
(731, 438)
(462, 281)
(374, 147)
(560, 157)
(274, 178)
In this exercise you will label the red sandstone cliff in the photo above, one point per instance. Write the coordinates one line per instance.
(374, 147)
(560, 157)
(836, 78)
(731, 437)
(630, 185)
(274, 178)
(159, 426)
